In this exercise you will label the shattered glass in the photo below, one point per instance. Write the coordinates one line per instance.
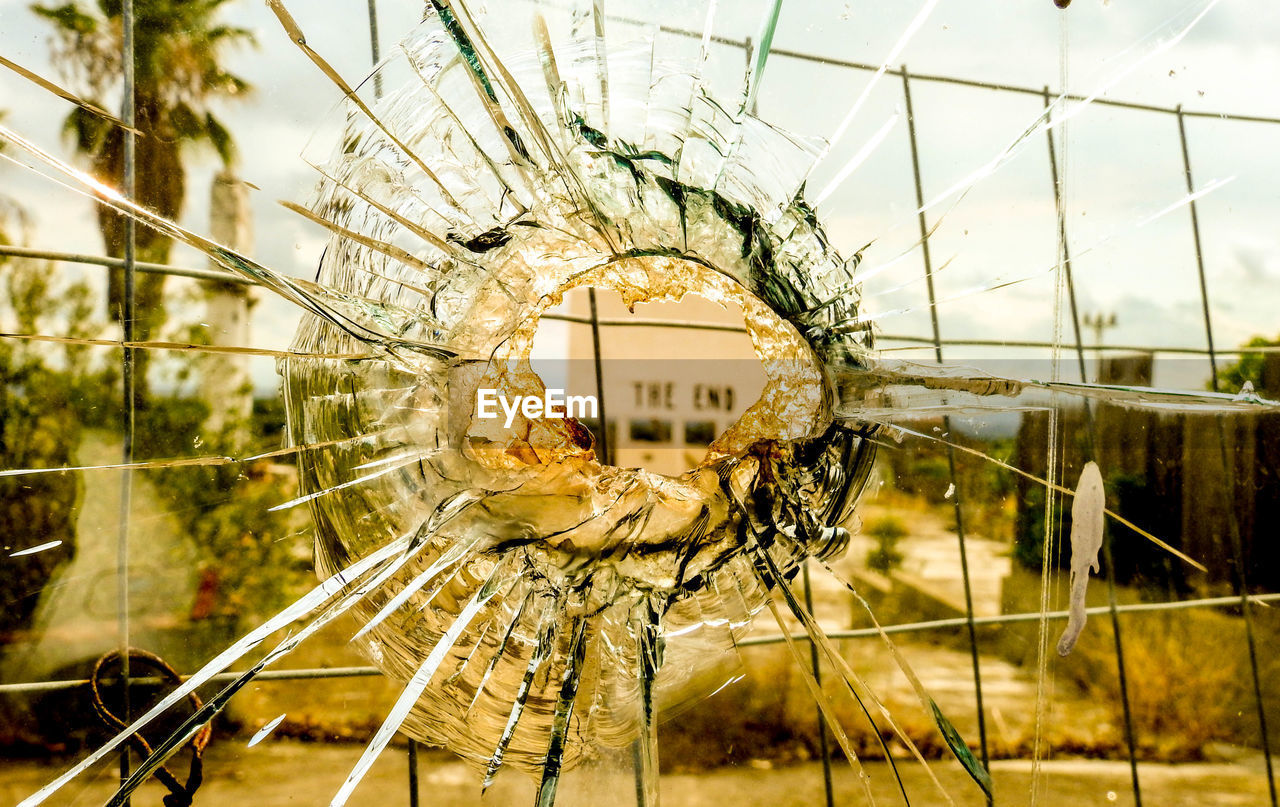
(530, 171)
(606, 576)
(534, 600)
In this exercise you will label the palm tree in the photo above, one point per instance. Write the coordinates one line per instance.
(177, 74)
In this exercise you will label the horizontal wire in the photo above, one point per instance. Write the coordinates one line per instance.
(218, 275)
(235, 350)
(226, 277)
(962, 82)
(923, 341)
(1035, 616)
(1196, 351)
(312, 673)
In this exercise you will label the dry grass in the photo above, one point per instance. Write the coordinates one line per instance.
(769, 717)
(1188, 674)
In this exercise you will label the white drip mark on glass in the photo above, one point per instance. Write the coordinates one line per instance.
(262, 733)
(1086, 540)
(31, 550)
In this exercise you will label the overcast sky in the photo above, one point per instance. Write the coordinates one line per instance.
(1122, 165)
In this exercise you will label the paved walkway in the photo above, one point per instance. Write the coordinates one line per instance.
(931, 555)
(275, 774)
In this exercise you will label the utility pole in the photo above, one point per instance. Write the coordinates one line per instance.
(1099, 323)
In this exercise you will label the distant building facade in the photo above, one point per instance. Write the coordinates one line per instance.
(668, 392)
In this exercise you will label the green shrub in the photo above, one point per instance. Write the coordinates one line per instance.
(47, 394)
(888, 531)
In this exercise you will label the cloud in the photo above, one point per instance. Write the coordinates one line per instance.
(1004, 228)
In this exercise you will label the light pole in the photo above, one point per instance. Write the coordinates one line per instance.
(1099, 323)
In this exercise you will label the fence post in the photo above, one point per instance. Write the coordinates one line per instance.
(1233, 523)
(1092, 453)
(951, 454)
(128, 317)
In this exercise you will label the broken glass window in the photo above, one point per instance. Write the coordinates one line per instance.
(533, 598)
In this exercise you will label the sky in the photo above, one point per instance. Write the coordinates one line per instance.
(1121, 166)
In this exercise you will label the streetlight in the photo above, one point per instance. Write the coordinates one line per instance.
(1098, 323)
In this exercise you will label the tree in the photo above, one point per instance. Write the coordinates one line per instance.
(1250, 368)
(46, 398)
(13, 218)
(177, 75)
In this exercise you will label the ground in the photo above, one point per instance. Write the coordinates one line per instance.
(281, 771)
(274, 774)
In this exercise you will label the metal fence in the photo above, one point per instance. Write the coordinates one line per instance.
(970, 622)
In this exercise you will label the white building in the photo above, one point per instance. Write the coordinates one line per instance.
(668, 392)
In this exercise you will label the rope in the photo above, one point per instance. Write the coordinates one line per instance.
(180, 795)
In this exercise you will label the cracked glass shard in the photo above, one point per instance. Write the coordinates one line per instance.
(533, 598)
(536, 182)
(552, 167)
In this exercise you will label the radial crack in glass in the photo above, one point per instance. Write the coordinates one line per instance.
(456, 228)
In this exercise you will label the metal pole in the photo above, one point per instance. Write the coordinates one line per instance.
(374, 49)
(1059, 210)
(1242, 582)
(1091, 448)
(951, 455)
(1233, 525)
(413, 772)
(1195, 231)
(128, 317)
(823, 745)
(375, 57)
(605, 456)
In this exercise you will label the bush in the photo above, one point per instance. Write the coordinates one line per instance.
(771, 716)
(888, 531)
(246, 566)
(1188, 675)
(46, 395)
